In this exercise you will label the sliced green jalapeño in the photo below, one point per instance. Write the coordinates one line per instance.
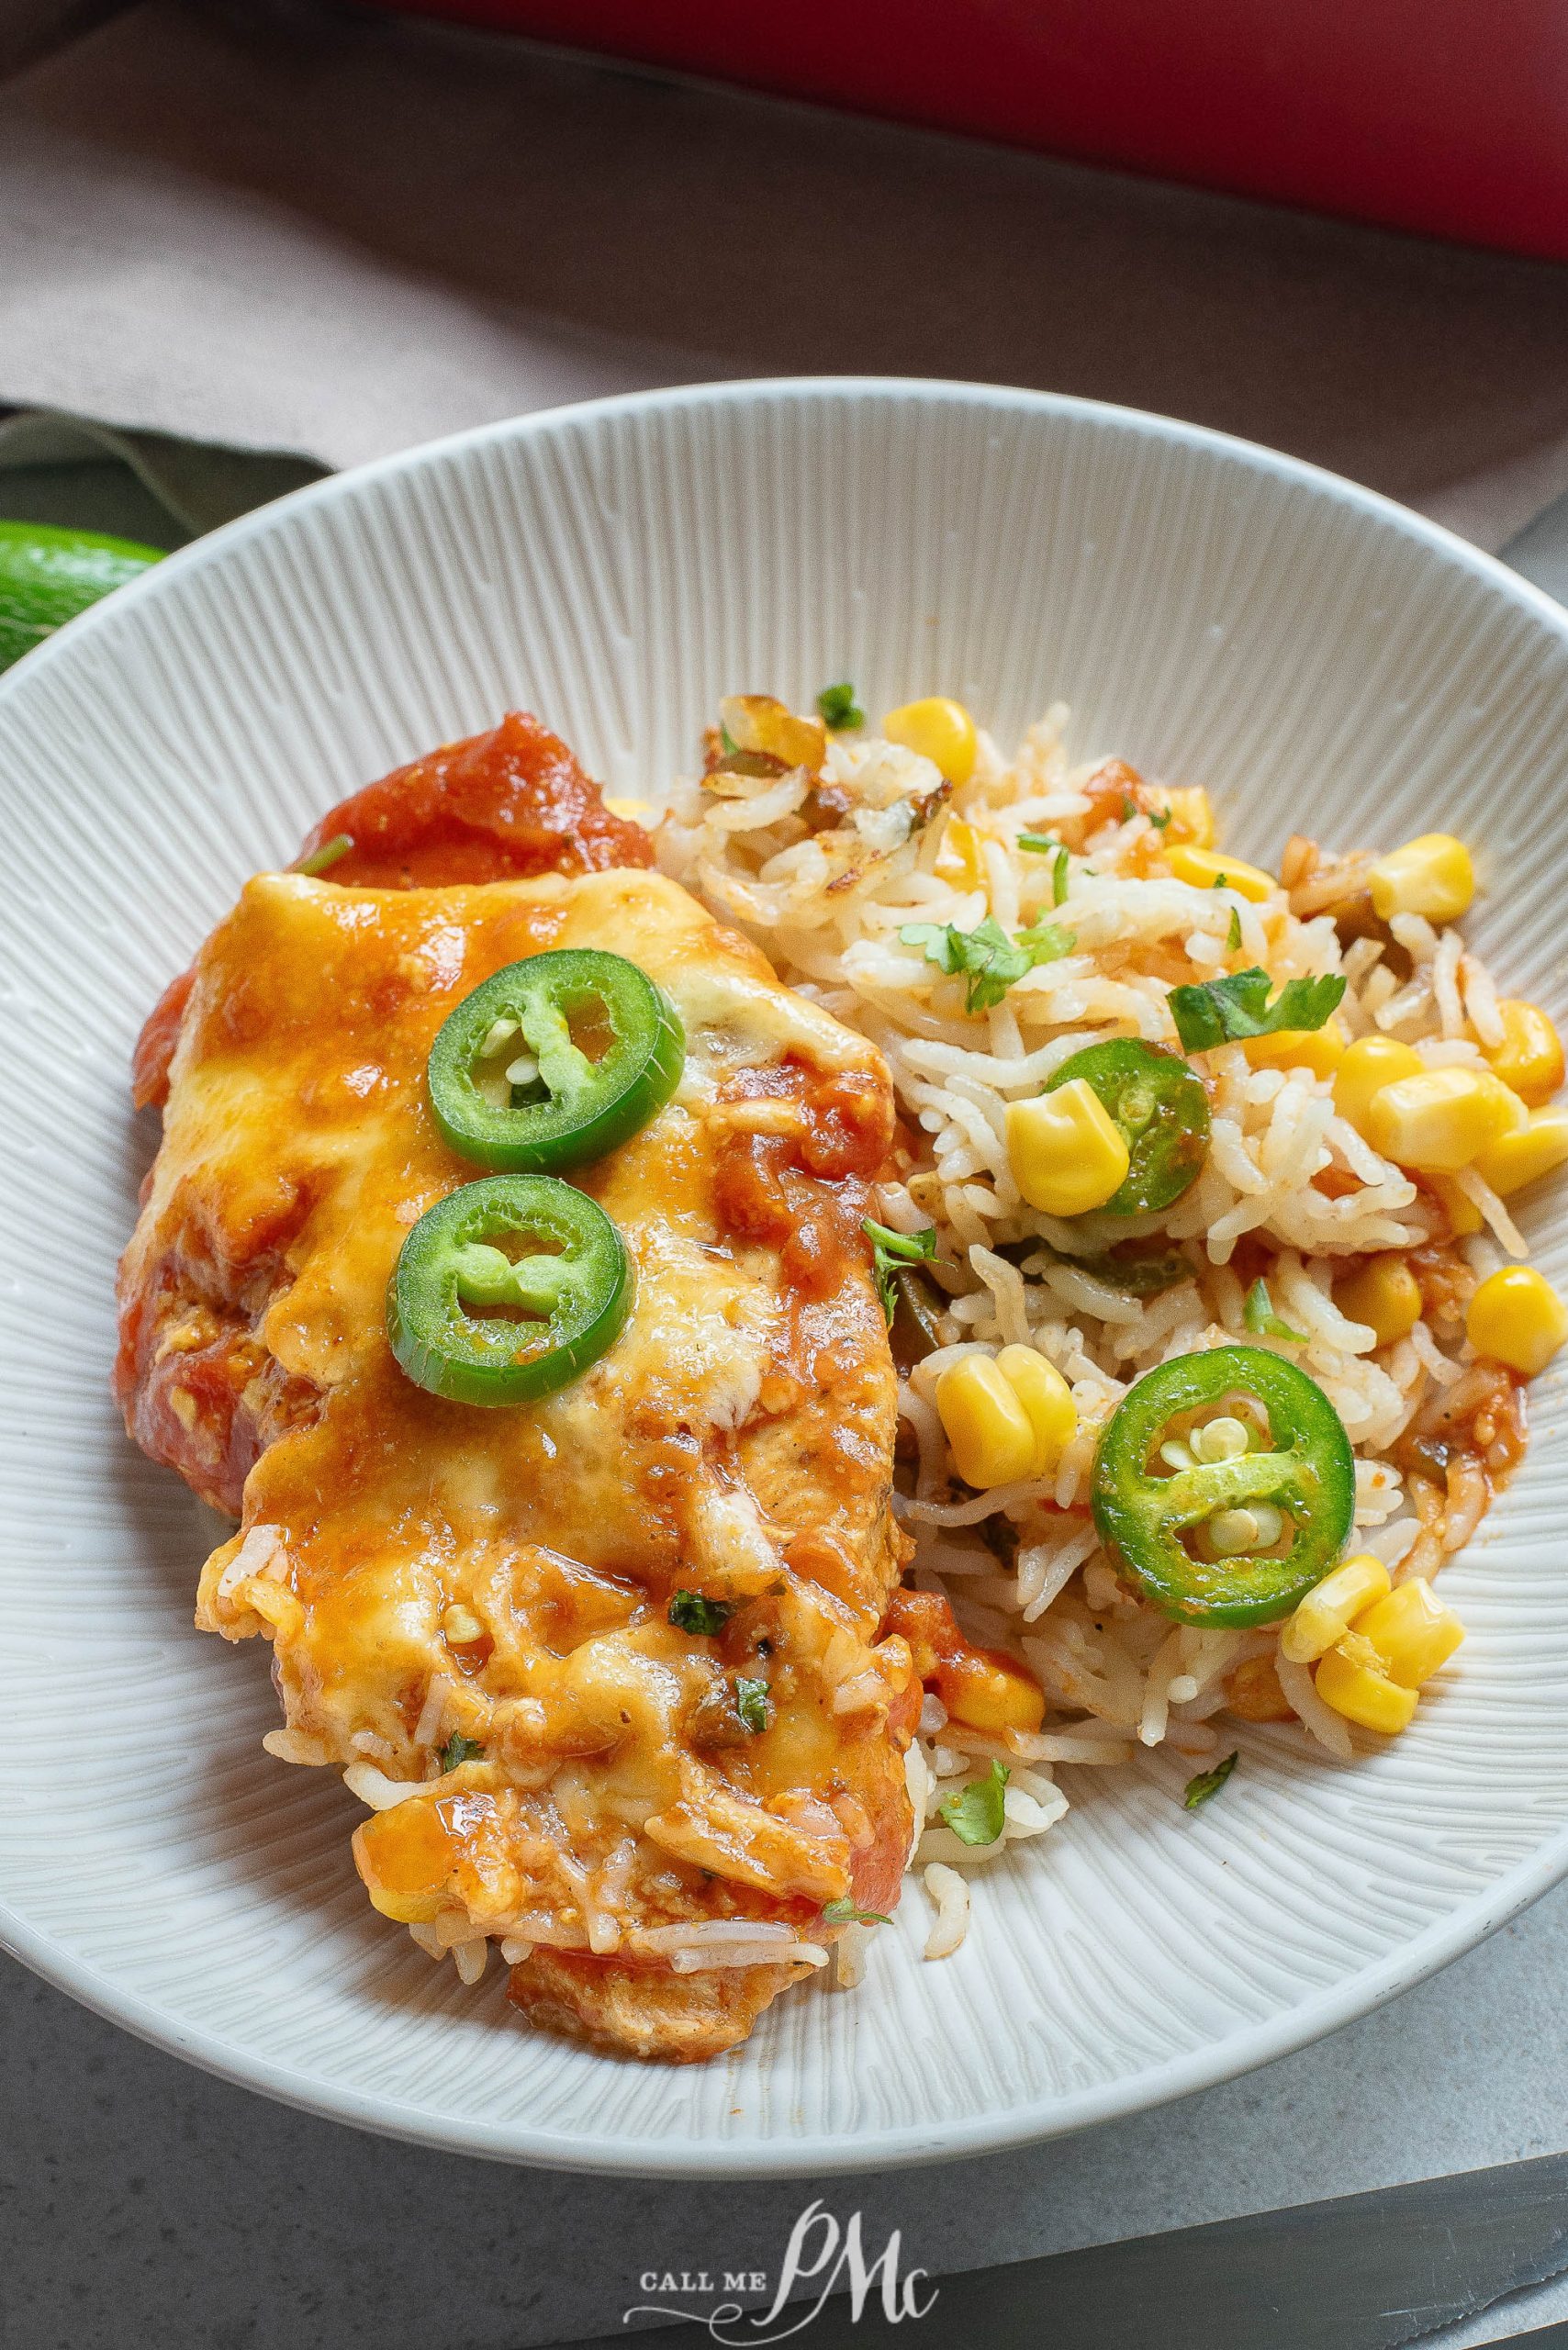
(1163, 1509)
(555, 1061)
(1158, 1103)
(506, 1290)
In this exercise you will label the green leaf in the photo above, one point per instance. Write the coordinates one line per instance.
(1261, 1318)
(457, 1750)
(751, 1704)
(1037, 844)
(1159, 818)
(1219, 1011)
(690, 1612)
(990, 959)
(845, 1913)
(321, 859)
(1233, 935)
(890, 1250)
(975, 1813)
(1129, 807)
(727, 742)
(837, 706)
(1209, 1783)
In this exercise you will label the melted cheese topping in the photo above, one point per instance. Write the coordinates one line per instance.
(428, 1570)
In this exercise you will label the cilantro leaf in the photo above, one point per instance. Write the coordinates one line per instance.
(837, 706)
(1159, 818)
(1262, 1320)
(1233, 935)
(1209, 1783)
(690, 1612)
(1037, 844)
(975, 1813)
(889, 1249)
(1218, 1011)
(727, 742)
(457, 1750)
(752, 1705)
(1059, 878)
(1129, 807)
(845, 1913)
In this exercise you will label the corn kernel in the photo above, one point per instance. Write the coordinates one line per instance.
(1443, 1119)
(1350, 1678)
(1205, 869)
(1383, 1294)
(1432, 876)
(940, 730)
(1370, 1064)
(988, 1691)
(1253, 1693)
(762, 722)
(1412, 1631)
(460, 1626)
(1516, 1318)
(1464, 1217)
(991, 1434)
(1048, 1402)
(1525, 1154)
(1318, 1049)
(1325, 1613)
(1067, 1153)
(404, 1856)
(960, 856)
(1191, 818)
(1530, 1058)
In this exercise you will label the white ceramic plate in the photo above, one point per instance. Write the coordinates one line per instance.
(1220, 615)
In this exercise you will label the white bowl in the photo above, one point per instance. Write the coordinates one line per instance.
(1315, 655)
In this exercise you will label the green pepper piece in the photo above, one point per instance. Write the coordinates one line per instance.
(1162, 1110)
(574, 1109)
(1310, 1476)
(563, 1302)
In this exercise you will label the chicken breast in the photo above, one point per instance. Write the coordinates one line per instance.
(471, 1608)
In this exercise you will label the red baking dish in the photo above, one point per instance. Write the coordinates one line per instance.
(1450, 119)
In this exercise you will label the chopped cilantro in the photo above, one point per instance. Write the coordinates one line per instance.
(751, 1704)
(1059, 878)
(321, 859)
(1261, 1318)
(838, 708)
(988, 958)
(890, 1249)
(1129, 807)
(1037, 844)
(845, 1913)
(1159, 818)
(1216, 1012)
(690, 1612)
(1209, 1783)
(727, 742)
(457, 1750)
(975, 1813)
(1233, 935)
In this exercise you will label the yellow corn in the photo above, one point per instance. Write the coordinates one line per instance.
(1205, 869)
(1464, 1217)
(1191, 818)
(1384, 1294)
(1530, 1058)
(960, 856)
(762, 722)
(1350, 1678)
(1319, 1049)
(1325, 1613)
(1526, 1153)
(1047, 1404)
(1443, 1119)
(460, 1626)
(1517, 1318)
(1370, 1064)
(1432, 876)
(992, 1436)
(1067, 1153)
(940, 730)
(1412, 1631)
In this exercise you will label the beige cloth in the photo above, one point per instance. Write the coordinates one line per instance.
(342, 236)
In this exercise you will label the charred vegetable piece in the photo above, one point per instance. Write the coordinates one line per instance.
(510, 1084)
(471, 1322)
(1161, 1110)
(1234, 1530)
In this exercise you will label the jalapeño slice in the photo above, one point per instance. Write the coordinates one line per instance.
(1158, 1103)
(555, 1061)
(1296, 1479)
(472, 1322)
